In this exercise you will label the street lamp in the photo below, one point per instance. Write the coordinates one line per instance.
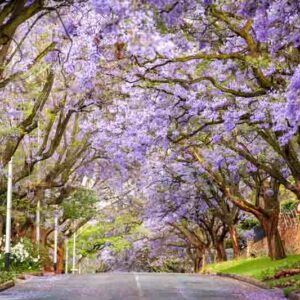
(8, 216)
(38, 205)
(38, 223)
(56, 215)
(67, 255)
(74, 253)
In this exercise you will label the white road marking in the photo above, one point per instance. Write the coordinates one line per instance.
(138, 284)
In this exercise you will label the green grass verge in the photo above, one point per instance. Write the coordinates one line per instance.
(13, 273)
(6, 276)
(263, 269)
(259, 268)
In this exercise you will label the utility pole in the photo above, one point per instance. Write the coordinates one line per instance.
(67, 256)
(74, 253)
(8, 216)
(56, 213)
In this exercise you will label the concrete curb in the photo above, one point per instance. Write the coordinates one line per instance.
(295, 295)
(26, 275)
(244, 279)
(6, 285)
(36, 273)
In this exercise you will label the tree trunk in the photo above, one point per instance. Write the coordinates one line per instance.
(235, 245)
(60, 259)
(197, 264)
(198, 261)
(221, 253)
(275, 246)
(270, 220)
(266, 210)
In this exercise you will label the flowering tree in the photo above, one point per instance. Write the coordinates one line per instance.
(191, 106)
(230, 86)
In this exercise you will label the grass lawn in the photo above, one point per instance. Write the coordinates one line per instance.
(262, 268)
(258, 268)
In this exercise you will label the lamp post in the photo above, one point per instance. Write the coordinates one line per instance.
(8, 216)
(67, 256)
(56, 215)
(89, 183)
(38, 205)
(38, 223)
(79, 268)
(74, 253)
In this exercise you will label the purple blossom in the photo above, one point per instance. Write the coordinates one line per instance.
(29, 2)
(51, 57)
(216, 138)
(229, 125)
(207, 2)
(70, 27)
(248, 8)
(269, 193)
(294, 85)
(248, 234)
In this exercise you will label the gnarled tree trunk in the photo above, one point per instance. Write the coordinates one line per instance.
(269, 221)
(275, 246)
(266, 210)
(198, 261)
(196, 255)
(60, 259)
(234, 239)
(220, 251)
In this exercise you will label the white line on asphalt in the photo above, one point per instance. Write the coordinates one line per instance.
(181, 291)
(138, 284)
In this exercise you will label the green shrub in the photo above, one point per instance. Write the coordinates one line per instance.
(6, 276)
(288, 290)
(248, 224)
(287, 206)
(24, 257)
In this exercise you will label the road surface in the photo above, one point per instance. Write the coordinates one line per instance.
(136, 286)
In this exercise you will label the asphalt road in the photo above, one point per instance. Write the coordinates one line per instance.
(135, 286)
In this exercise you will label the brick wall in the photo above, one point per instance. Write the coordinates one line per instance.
(290, 234)
(291, 238)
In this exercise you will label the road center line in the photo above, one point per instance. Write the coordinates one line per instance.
(138, 284)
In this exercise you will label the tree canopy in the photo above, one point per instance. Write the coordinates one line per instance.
(182, 113)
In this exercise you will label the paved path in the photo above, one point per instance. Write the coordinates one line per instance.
(135, 286)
